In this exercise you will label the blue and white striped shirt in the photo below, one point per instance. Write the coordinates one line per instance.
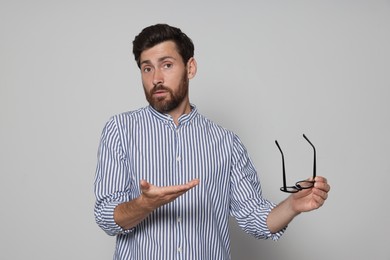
(145, 144)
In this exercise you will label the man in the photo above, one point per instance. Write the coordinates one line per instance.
(168, 178)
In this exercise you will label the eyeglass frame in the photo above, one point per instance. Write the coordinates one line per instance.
(300, 185)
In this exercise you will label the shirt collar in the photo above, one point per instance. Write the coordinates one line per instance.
(167, 118)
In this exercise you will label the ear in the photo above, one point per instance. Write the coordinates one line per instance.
(191, 68)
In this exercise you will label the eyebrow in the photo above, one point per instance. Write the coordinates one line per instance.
(159, 60)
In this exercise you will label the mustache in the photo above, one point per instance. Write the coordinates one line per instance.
(158, 88)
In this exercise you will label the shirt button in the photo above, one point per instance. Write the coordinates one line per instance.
(178, 158)
(179, 249)
(179, 220)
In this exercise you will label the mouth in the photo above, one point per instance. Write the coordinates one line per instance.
(159, 92)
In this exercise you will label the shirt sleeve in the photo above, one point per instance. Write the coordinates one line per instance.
(248, 206)
(112, 179)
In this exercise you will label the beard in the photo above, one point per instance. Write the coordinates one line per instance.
(172, 100)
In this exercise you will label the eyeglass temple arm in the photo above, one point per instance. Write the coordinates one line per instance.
(284, 170)
(314, 163)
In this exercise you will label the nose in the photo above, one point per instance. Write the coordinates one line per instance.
(158, 78)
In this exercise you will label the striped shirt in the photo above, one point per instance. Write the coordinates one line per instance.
(145, 144)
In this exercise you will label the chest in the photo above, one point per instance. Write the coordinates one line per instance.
(169, 156)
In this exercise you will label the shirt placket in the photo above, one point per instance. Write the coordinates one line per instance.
(179, 179)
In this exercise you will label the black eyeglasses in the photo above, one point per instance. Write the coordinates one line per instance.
(300, 185)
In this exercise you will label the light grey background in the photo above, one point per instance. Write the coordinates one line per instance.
(266, 70)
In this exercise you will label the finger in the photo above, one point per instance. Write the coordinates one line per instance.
(320, 194)
(187, 186)
(178, 189)
(322, 186)
(320, 179)
(175, 194)
(302, 193)
(317, 203)
(193, 183)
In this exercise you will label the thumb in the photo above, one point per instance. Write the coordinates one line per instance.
(144, 185)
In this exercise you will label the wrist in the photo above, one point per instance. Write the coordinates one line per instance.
(292, 206)
(144, 204)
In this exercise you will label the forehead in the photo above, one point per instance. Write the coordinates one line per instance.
(163, 49)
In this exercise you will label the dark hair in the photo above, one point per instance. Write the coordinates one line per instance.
(158, 33)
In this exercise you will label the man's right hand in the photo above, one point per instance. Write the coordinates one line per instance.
(131, 213)
(153, 197)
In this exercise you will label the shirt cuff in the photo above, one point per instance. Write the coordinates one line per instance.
(105, 220)
(267, 233)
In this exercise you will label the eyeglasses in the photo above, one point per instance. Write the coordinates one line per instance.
(300, 185)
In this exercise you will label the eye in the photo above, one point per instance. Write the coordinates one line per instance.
(167, 65)
(146, 69)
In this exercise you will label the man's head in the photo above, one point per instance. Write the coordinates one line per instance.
(155, 34)
(165, 57)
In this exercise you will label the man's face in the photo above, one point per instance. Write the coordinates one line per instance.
(164, 77)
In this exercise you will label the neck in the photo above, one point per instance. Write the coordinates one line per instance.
(182, 109)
